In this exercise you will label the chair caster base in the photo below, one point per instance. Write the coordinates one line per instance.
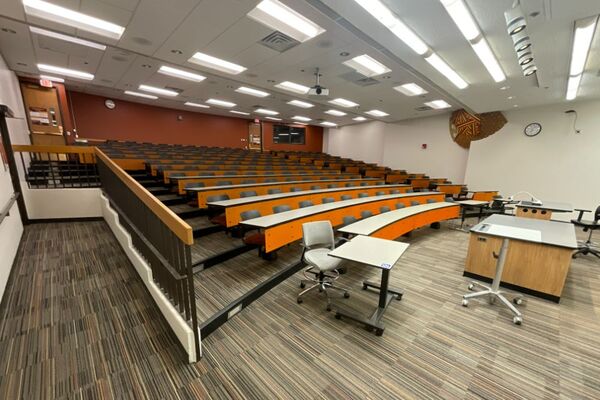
(517, 320)
(328, 308)
(302, 285)
(465, 303)
(299, 301)
(338, 316)
(346, 295)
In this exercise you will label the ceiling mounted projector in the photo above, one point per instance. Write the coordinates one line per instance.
(318, 90)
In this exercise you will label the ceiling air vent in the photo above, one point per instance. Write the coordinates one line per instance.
(174, 89)
(358, 79)
(423, 108)
(279, 42)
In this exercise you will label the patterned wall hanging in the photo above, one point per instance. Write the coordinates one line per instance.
(466, 127)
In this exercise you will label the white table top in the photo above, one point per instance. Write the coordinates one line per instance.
(245, 185)
(553, 233)
(379, 253)
(253, 176)
(267, 197)
(275, 219)
(548, 205)
(372, 224)
(472, 202)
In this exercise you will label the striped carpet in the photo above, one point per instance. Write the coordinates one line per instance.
(76, 322)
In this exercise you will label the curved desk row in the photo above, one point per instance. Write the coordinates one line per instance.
(233, 171)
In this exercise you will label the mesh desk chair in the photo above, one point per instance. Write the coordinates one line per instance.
(318, 241)
(305, 203)
(281, 208)
(587, 247)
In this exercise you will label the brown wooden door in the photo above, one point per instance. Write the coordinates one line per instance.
(43, 114)
(254, 137)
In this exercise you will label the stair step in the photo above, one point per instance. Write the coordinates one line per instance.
(171, 199)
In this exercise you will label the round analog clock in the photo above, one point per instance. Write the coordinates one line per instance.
(532, 129)
(109, 104)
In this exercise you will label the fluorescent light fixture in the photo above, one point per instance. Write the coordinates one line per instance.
(280, 17)
(337, 113)
(178, 73)
(301, 104)
(65, 16)
(273, 118)
(189, 103)
(359, 119)
(66, 72)
(444, 69)
(410, 89)
(388, 19)
(67, 38)
(239, 112)
(377, 113)
(300, 118)
(367, 66)
(437, 104)
(221, 103)
(343, 103)
(161, 91)
(327, 123)
(251, 92)
(293, 87)
(573, 87)
(299, 123)
(488, 59)
(265, 111)
(52, 78)
(216, 63)
(138, 94)
(582, 39)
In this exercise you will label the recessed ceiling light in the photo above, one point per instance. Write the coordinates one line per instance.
(144, 95)
(239, 112)
(360, 119)
(377, 113)
(327, 123)
(582, 39)
(265, 111)
(280, 17)
(510, 97)
(251, 92)
(515, 106)
(161, 91)
(216, 63)
(301, 104)
(178, 73)
(299, 123)
(273, 118)
(300, 118)
(66, 38)
(505, 87)
(367, 66)
(437, 104)
(65, 16)
(445, 70)
(221, 103)
(343, 103)
(410, 89)
(337, 113)
(189, 103)
(52, 78)
(66, 72)
(293, 87)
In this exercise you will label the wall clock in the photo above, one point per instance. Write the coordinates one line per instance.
(109, 104)
(532, 129)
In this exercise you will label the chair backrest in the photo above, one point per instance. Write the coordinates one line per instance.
(281, 208)
(414, 203)
(174, 174)
(318, 234)
(384, 209)
(249, 181)
(597, 215)
(431, 201)
(399, 205)
(364, 183)
(363, 195)
(348, 219)
(250, 214)
(295, 189)
(449, 199)
(395, 191)
(409, 190)
(194, 184)
(305, 203)
(350, 184)
(324, 178)
(380, 193)
(273, 191)
(270, 180)
(223, 183)
(230, 173)
(315, 187)
(366, 214)
(290, 179)
(326, 200)
(332, 185)
(217, 197)
(248, 193)
(251, 173)
(346, 197)
(379, 183)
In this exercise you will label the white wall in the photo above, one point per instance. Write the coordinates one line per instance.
(557, 165)
(62, 203)
(360, 142)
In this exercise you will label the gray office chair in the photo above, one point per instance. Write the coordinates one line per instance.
(395, 191)
(409, 190)
(366, 214)
(384, 209)
(290, 179)
(246, 181)
(380, 193)
(230, 173)
(305, 203)
(414, 203)
(379, 183)
(273, 191)
(326, 200)
(251, 173)
(346, 197)
(324, 178)
(587, 247)
(429, 201)
(348, 219)
(364, 184)
(194, 185)
(361, 195)
(315, 187)
(332, 185)
(399, 206)
(223, 183)
(271, 180)
(449, 199)
(318, 241)
(350, 185)
(176, 174)
(248, 193)
(217, 197)
(281, 208)
(295, 189)
(220, 218)
(250, 214)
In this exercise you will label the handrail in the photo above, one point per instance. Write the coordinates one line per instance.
(6, 210)
(178, 226)
(52, 149)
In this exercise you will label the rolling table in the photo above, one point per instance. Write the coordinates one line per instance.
(544, 211)
(466, 204)
(376, 253)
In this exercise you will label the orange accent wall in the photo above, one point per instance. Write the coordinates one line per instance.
(147, 123)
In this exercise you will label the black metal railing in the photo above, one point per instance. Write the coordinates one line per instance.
(159, 236)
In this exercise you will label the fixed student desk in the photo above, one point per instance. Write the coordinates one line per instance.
(541, 211)
(450, 189)
(264, 204)
(286, 227)
(395, 223)
(210, 180)
(395, 177)
(483, 195)
(375, 253)
(241, 171)
(419, 183)
(537, 266)
(234, 191)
